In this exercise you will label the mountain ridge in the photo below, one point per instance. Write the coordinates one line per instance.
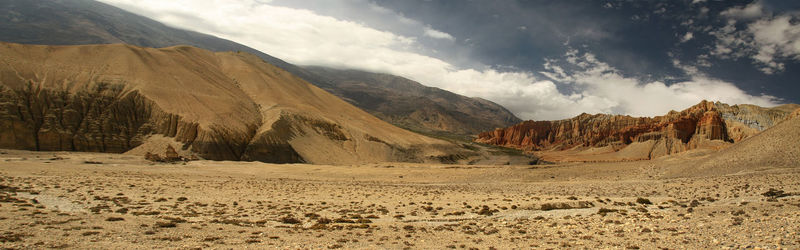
(79, 22)
(409, 104)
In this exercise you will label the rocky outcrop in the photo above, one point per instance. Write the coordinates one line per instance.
(221, 106)
(745, 120)
(102, 118)
(98, 118)
(618, 137)
(170, 156)
(776, 147)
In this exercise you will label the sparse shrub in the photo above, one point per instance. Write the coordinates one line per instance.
(458, 213)
(323, 220)
(775, 193)
(289, 220)
(11, 237)
(737, 221)
(343, 220)
(88, 233)
(553, 206)
(166, 224)
(604, 211)
(360, 226)
(486, 211)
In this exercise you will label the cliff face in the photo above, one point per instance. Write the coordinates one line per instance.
(615, 137)
(221, 106)
(775, 147)
(744, 121)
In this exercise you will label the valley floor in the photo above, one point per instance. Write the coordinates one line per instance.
(86, 200)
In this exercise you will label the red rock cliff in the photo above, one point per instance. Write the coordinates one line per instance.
(700, 126)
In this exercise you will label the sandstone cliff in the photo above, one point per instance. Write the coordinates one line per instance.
(776, 147)
(222, 106)
(603, 137)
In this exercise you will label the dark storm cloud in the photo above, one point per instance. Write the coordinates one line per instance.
(640, 38)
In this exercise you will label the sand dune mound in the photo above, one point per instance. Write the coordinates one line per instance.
(222, 106)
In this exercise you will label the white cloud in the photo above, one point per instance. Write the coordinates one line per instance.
(604, 89)
(307, 38)
(750, 11)
(687, 69)
(438, 34)
(766, 39)
(775, 38)
(688, 36)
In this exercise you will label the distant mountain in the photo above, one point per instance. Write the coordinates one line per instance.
(220, 106)
(604, 137)
(408, 104)
(78, 22)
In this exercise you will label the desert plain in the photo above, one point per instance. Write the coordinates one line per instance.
(94, 200)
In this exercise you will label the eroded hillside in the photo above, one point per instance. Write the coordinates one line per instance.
(221, 106)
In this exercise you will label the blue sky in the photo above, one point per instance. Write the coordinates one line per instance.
(540, 59)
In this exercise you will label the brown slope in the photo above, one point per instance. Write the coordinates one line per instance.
(615, 137)
(224, 106)
(409, 104)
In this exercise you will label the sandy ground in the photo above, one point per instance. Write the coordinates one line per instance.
(85, 200)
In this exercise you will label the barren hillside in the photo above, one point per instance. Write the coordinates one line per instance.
(222, 106)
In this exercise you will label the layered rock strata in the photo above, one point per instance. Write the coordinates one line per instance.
(616, 137)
